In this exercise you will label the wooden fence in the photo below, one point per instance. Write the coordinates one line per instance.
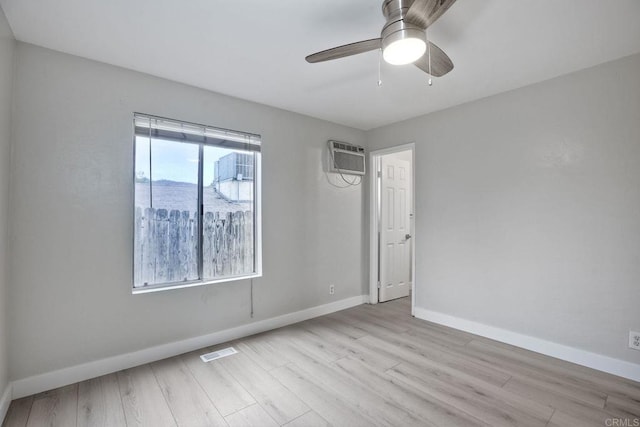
(166, 245)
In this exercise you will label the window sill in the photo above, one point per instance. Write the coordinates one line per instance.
(191, 284)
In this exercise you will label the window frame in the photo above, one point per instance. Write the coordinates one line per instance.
(257, 214)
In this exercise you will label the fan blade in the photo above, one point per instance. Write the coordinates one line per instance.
(441, 64)
(425, 12)
(346, 50)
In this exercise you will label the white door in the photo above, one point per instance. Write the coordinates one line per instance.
(395, 229)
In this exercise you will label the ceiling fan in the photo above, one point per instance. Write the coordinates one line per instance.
(403, 38)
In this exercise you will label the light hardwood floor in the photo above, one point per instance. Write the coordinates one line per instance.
(366, 366)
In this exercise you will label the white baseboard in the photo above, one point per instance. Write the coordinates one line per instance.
(607, 364)
(50, 380)
(5, 401)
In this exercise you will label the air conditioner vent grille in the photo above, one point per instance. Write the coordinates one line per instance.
(347, 147)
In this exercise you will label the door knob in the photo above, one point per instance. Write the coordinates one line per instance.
(407, 236)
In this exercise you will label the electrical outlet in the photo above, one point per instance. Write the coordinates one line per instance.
(634, 340)
(332, 289)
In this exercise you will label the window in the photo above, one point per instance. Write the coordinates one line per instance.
(197, 204)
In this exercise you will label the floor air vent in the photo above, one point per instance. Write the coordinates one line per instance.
(218, 354)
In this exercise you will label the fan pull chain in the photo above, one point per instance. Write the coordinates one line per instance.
(429, 57)
(430, 80)
(379, 67)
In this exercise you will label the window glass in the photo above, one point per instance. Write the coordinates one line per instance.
(195, 204)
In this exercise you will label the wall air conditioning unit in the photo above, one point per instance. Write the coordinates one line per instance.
(346, 158)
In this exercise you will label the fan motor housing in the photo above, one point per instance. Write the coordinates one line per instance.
(395, 9)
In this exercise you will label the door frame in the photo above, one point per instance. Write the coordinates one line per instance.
(374, 220)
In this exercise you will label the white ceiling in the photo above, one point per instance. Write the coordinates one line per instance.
(255, 49)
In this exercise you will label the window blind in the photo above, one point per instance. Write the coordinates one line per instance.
(161, 128)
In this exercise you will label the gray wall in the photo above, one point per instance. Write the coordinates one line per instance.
(528, 208)
(6, 73)
(71, 215)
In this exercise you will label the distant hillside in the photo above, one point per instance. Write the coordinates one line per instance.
(183, 196)
(172, 183)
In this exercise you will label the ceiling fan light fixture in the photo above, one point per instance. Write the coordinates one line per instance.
(404, 46)
(404, 51)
